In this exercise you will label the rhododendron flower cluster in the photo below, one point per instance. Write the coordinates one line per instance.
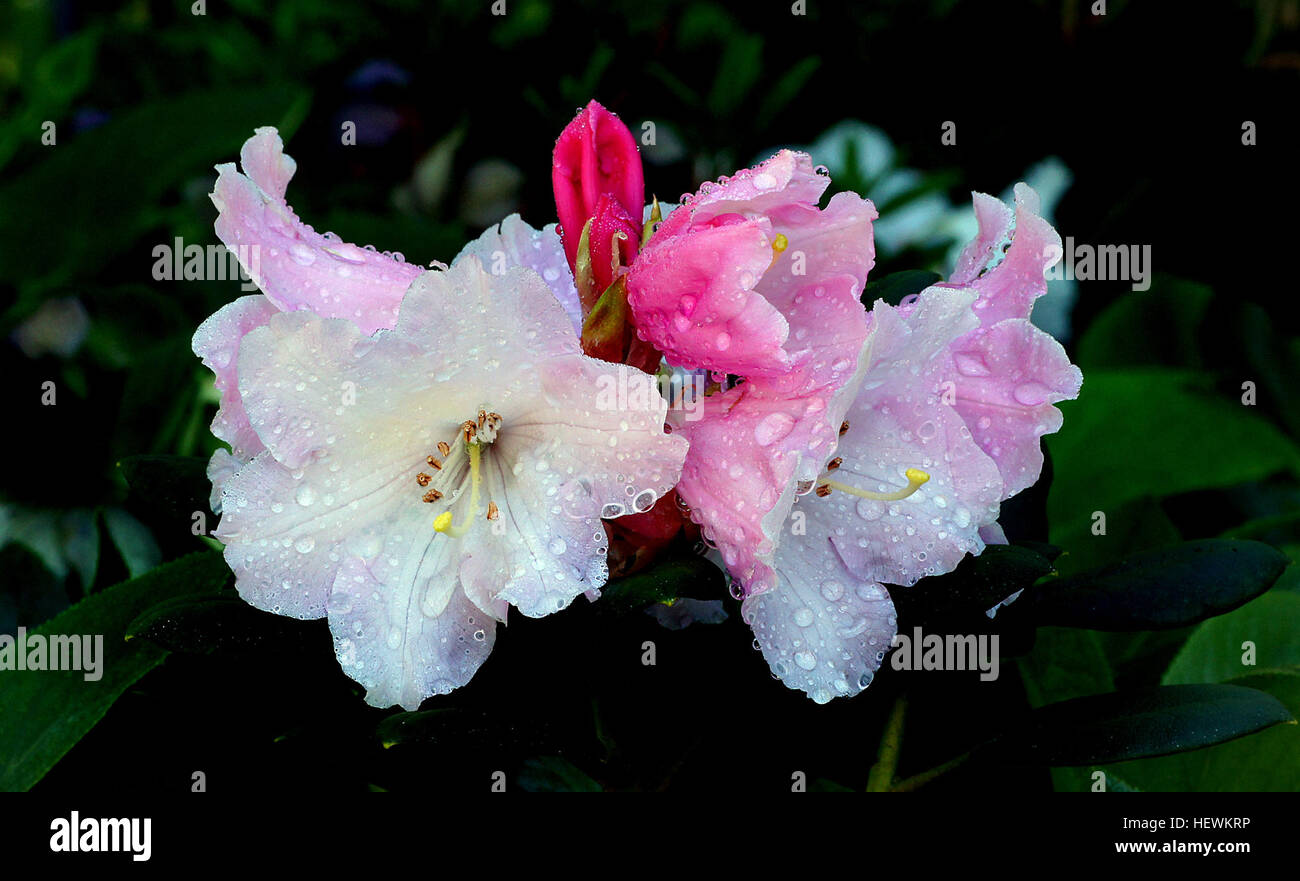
(414, 451)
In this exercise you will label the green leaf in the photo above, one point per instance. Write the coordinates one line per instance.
(1264, 762)
(173, 486)
(1153, 432)
(786, 89)
(977, 584)
(738, 70)
(456, 728)
(201, 623)
(1134, 724)
(667, 579)
(1065, 663)
(93, 195)
(133, 541)
(894, 287)
(1215, 650)
(46, 713)
(1121, 336)
(555, 774)
(1161, 589)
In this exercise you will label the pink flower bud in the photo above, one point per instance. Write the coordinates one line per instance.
(594, 155)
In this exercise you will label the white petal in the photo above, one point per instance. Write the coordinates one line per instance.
(822, 630)
(514, 243)
(406, 640)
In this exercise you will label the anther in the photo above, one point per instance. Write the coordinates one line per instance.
(444, 448)
(433, 463)
(834, 463)
(432, 496)
(823, 490)
(493, 513)
(844, 428)
(422, 479)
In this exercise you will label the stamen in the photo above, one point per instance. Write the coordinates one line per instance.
(844, 428)
(493, 513)
(434, 463)
(915, 479)
(442, 523)
(422, 479)
(823, 490)
(834, 463)
(432, 496)
(444, 448)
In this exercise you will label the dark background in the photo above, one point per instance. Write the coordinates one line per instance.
(1144, 105)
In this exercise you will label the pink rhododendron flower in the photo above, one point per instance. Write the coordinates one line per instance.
(749, 277)
(412, 471)
(911, 423)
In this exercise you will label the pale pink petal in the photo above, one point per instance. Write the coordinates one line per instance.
(1009, 289)
(1007, 378)
(1008, 372)
(741, 473)
(217, 343)
(221, 467)
(784, 179)
(296, 267)
(904, 418)
(816, 283)
(286, 532)
(994, 219)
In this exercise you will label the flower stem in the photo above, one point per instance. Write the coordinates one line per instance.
(881, 775)
(917, 781)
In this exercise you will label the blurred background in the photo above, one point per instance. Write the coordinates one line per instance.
(1129, 123)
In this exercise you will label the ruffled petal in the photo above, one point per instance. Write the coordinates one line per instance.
(1008, 372)
(291, 263)
(217, 343)
(1007, 379)
(1009, 289)
(816, 284)
(994, 219)
(221, 467)
(904, 418)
